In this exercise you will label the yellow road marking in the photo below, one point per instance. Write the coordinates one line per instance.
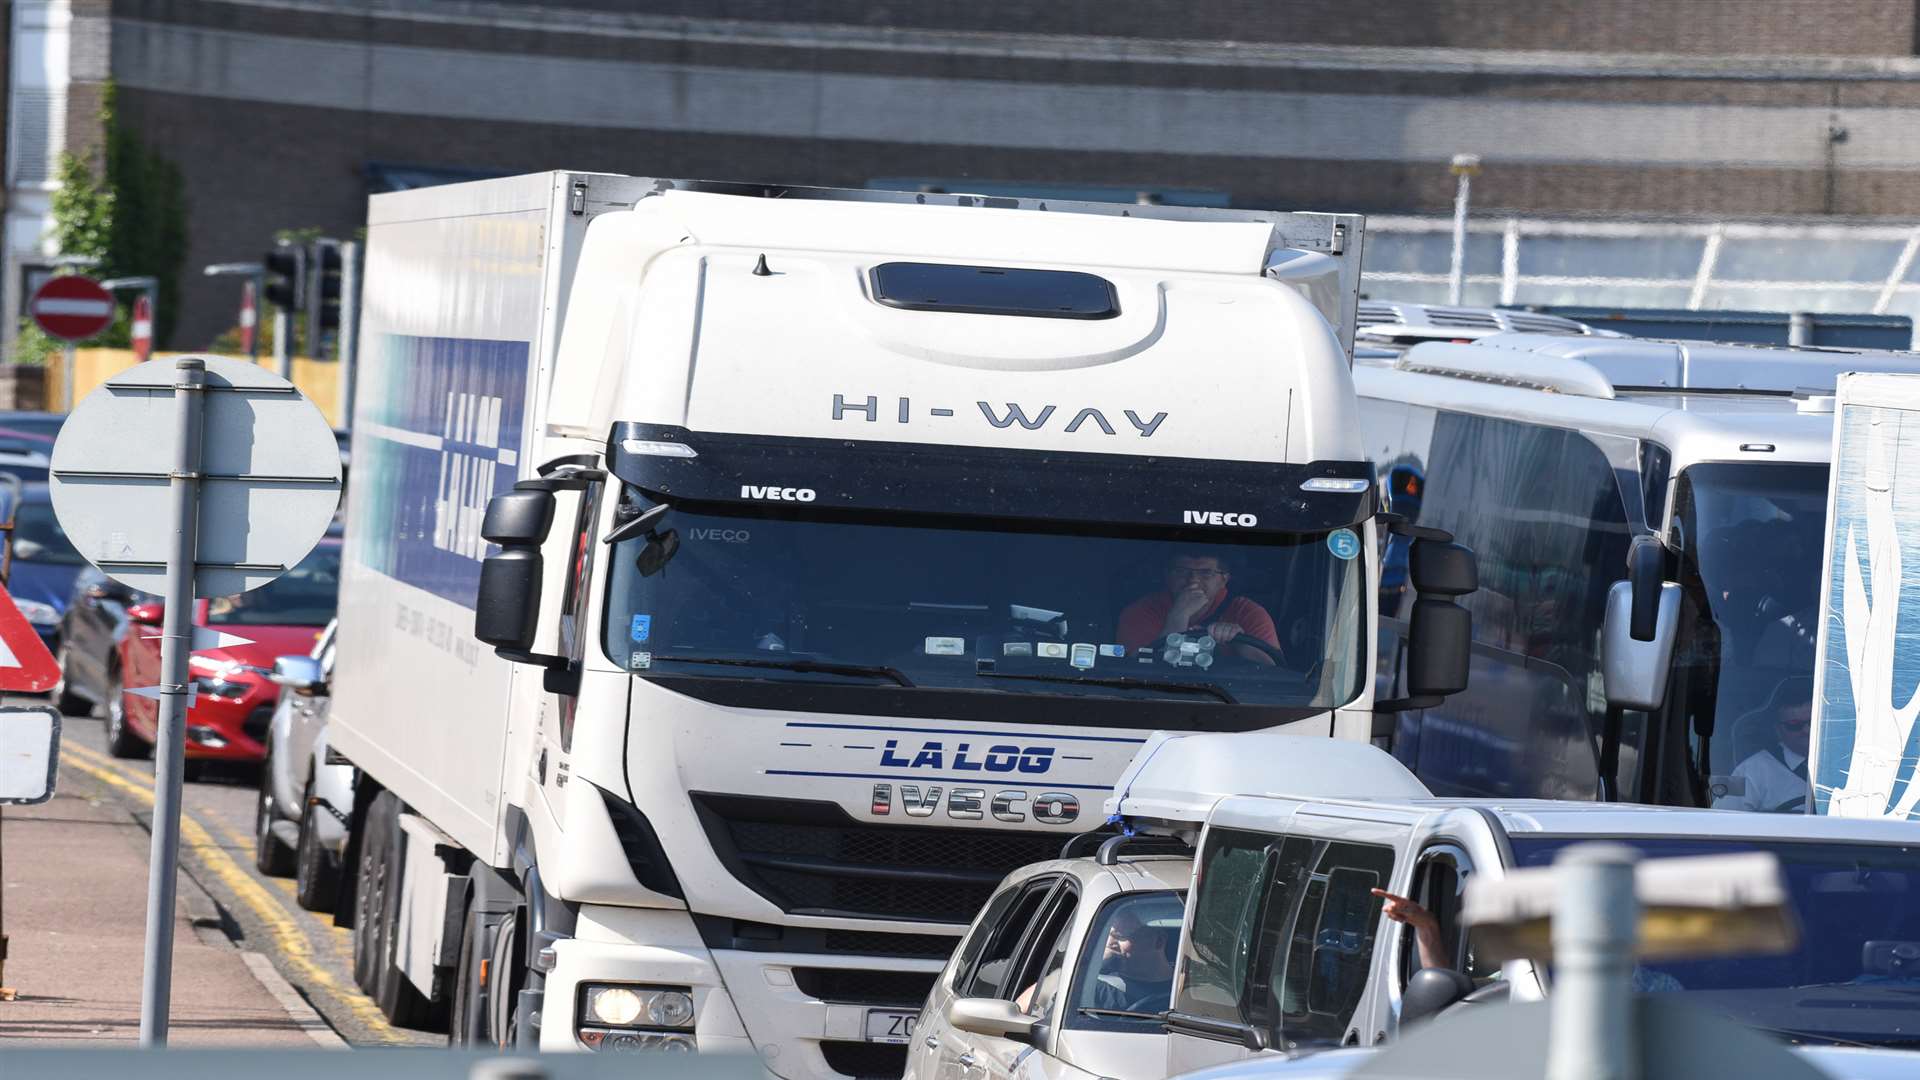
(281, 926)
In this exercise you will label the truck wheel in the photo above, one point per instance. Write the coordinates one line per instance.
(399, 1000)
(370, 893)
(467, 1026)
(316, 876)
(270, 856)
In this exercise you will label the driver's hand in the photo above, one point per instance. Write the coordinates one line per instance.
(1187, 603)
(1224, 632)
(1401, 909)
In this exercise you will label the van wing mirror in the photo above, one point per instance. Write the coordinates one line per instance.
(1430, 992)
(1634, 670)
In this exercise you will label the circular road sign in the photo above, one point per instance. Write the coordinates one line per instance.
(269, 477)
(71, 307)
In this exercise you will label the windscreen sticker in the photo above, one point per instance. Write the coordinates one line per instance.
(1113, 651)
(642, 627)
(1083, 656)
(946, 646)
(1343, 543)
(1052, 650)
(641, 661)
(1016, 648)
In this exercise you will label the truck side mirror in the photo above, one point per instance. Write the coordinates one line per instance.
(506, 611)
(1440, 634)
(1633, 669)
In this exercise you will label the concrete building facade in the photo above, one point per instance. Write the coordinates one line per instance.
(285, 113)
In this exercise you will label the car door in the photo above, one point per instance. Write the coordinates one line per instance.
(306, 711)
(990, 973)
(1036, 986)
(933, 1055)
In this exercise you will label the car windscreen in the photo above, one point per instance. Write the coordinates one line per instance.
(993, 608)
(38, 537)
(1853, 976)
(304, 596)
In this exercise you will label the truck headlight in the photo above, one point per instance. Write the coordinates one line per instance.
(635, 1017)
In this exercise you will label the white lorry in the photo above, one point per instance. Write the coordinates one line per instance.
(1863, 750)
(830, 553)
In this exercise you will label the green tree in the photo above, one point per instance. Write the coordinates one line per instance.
(130, 218)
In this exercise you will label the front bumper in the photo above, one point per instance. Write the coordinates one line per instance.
(229, 729)
(796, 1035)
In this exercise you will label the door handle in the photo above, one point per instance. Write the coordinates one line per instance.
(932, 1043)
(967, 1059)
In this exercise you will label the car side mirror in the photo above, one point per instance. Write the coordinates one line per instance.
(1430, 992)
(992, 1017)
(1638, 631)
(300, 674)
(151, 613)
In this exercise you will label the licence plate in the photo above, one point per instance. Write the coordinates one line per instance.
(889, 1025)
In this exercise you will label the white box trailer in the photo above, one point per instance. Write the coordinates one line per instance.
(836, 549)
(1864, 753)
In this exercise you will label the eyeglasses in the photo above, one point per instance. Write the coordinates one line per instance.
(1196, 574)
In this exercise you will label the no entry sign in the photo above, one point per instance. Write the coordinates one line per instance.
(142, 329)
(71, 307)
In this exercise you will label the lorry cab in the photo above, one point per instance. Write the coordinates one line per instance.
(1287, 950)
(1649, 518)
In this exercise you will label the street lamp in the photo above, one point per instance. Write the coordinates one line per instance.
(1464, 167)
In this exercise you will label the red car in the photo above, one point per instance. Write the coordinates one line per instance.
(235, 701)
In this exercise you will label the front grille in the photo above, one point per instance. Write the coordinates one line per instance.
(923, 946)
(900, 989)
(815, 859)
(865, 1061)
(257, 722)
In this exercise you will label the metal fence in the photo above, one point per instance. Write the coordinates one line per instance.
(1742, 266)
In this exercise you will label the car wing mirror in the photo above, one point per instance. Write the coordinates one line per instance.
(300, 674)
(992, 1017)
(1430, 992)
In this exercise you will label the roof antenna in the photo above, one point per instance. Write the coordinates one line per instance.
(760, 268)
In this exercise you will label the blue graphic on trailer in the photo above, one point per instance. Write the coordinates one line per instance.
(438, 437)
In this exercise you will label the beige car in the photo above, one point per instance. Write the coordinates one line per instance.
(1065, 974)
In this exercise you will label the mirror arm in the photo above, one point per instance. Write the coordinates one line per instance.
(1398, 525)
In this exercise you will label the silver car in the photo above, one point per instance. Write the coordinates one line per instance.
(299, 825)
(1065, 974)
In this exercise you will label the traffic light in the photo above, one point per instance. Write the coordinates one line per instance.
(286, 277)
(326, 296)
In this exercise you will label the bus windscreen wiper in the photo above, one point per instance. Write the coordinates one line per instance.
(823, 667)
(1127, 682)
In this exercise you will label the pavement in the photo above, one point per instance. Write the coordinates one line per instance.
(75, 880)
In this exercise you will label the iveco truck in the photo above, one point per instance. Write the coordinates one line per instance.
(741, 581)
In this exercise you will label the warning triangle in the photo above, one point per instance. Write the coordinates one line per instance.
(26, 667)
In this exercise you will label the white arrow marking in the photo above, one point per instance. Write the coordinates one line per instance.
(154, 692)
(55, 306)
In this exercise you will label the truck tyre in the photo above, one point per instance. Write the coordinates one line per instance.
(467, 1024)
(316, 876)
(400, 1001)
(270, 856)
(370, 897)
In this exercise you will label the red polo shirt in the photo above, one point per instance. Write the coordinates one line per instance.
(1142, 620)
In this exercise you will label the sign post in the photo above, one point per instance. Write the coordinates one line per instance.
(252, 479)
(71, 307)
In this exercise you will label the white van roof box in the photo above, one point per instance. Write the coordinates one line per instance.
(1178, 777)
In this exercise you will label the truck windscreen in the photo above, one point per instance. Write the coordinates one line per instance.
(1753, 537)
(1276, 621)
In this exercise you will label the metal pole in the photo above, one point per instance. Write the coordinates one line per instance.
(68, 366)
(349, 329)
(1596, 923)
(1464, 166)
(282, 348)
(259, 297)
(169, 757)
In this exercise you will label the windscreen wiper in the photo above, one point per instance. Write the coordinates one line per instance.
(1127, 682)
(1122, 1014)
(823, 667)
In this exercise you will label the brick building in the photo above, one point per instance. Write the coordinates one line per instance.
(286, 113)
